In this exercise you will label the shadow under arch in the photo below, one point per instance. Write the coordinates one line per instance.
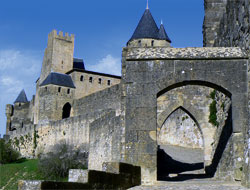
(223, 141)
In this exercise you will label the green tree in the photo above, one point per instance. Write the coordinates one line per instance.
(7, 153)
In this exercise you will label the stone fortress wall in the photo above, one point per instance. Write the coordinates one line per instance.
(73, 130)
(232, 29)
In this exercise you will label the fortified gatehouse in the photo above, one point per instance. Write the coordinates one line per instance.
(174, 112)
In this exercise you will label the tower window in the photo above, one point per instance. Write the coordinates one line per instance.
(68, 91)
(81, 78)
(90, 79)
(100, 81)
(109, 82)
(59, 89)
(139, 43)
(152, 43)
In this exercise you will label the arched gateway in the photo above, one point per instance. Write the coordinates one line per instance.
(150, 73)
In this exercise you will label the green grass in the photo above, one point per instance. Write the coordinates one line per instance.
(20, 170)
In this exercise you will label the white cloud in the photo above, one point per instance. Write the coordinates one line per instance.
(108, 65)
(11, 85)
(8, 59)
(19, 70)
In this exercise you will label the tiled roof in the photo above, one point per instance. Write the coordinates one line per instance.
(59, 79)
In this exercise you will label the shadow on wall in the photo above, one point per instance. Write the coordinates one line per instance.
(167, 165)
(222, 144)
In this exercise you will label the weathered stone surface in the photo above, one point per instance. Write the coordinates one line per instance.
(31, 185)
(104, 141)
(231, 29)
(203, 185)
(214, 10)
(185, 53)
(78, 175)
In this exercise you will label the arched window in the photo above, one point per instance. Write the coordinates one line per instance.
(81, 78)
(66, 111)
(139, 43)
(59, 89)
(152, 43)
(109, 82)
(68, 91)
(99, 81)
(90, 79)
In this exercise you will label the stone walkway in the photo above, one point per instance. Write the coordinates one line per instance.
(187, 185)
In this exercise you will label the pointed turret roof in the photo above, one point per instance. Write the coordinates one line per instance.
(22, 98)
(162, 34)
(146, 28)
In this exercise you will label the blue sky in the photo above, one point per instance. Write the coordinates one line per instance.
(101, 29)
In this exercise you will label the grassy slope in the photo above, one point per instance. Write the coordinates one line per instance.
(24, 170)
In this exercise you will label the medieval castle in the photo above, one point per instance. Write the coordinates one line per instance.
(196, 99)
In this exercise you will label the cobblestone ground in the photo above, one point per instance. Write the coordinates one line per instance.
(202, 185)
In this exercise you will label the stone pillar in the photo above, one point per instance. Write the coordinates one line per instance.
(139, 104)
(8, 113)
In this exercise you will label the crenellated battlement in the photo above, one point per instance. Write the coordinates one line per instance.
(63, 36)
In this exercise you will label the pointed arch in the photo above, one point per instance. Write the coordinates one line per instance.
(187, 112)
(190, 115)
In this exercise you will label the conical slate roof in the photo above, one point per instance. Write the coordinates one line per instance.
(162, 34)
(58, 79)
(22, 98)
(146, 28)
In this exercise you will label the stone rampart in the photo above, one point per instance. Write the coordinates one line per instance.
(109, 98)
(34, 140)
(105, 141)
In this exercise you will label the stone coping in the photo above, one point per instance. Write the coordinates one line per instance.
(153, 53)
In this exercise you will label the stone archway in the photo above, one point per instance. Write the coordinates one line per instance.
(150, 72)
(193, 99)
